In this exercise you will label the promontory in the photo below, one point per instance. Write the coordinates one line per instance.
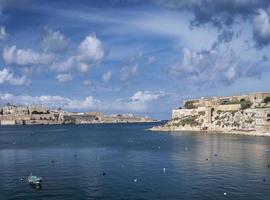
(242, 114)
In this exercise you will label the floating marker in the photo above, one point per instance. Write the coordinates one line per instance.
(164, 169)
(135, 180)
(225, 193)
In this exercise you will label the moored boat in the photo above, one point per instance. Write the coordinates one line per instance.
(34, 180)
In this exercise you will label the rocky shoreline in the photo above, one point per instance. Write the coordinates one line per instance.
(232, 132)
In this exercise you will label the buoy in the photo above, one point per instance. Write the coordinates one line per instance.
(52, 161)
(268, 166)
(135, 180)
(225, 193)
(103, 174)
(264, 180)
(216, 154)
(164, 169)
(206, 159)
(75, 155)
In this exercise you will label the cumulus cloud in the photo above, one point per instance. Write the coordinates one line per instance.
(3, 33)
(207, 67)
(90, 52)
(63, 78)
(12, 55)
(6, 76)
(142, 101)
(53, 40)
(106, 76)
(261, 28)
(145, 96)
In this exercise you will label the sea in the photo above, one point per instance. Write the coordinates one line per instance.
(127, 161)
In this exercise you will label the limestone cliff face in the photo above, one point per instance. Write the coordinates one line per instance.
(255, 121)
(218, 121)
(242, 113)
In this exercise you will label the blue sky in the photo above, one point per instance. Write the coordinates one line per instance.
(141, 57)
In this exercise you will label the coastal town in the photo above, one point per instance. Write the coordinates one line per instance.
(242, 114)
(27, 115)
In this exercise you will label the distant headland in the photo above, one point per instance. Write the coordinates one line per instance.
(26, 115)
(244, 114)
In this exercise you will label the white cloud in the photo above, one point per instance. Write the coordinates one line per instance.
(3, 33)
(63, 78)
(207, 67)
(12, 55)
(107, 76)
(261, 28)
(146, 96)
(53, 40)
(90, 52)
(6, 76)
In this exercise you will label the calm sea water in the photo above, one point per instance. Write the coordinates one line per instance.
(124, 161)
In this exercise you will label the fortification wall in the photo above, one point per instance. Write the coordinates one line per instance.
(230, 107)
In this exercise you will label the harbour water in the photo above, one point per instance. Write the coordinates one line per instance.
(125, 161)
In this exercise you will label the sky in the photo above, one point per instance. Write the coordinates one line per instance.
(131, 56)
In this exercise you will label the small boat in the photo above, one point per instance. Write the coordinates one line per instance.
(34, 180)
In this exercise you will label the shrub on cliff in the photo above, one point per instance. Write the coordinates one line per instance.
(190, 120)
(245, 104)
(266, 100)
(189, 105)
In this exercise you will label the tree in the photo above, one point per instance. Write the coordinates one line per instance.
(266, 100)
(245, 104)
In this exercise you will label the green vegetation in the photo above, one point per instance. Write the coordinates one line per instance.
(245, 104)
(190, 120)
(189, 105)
(234, 101)
(266, 100)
